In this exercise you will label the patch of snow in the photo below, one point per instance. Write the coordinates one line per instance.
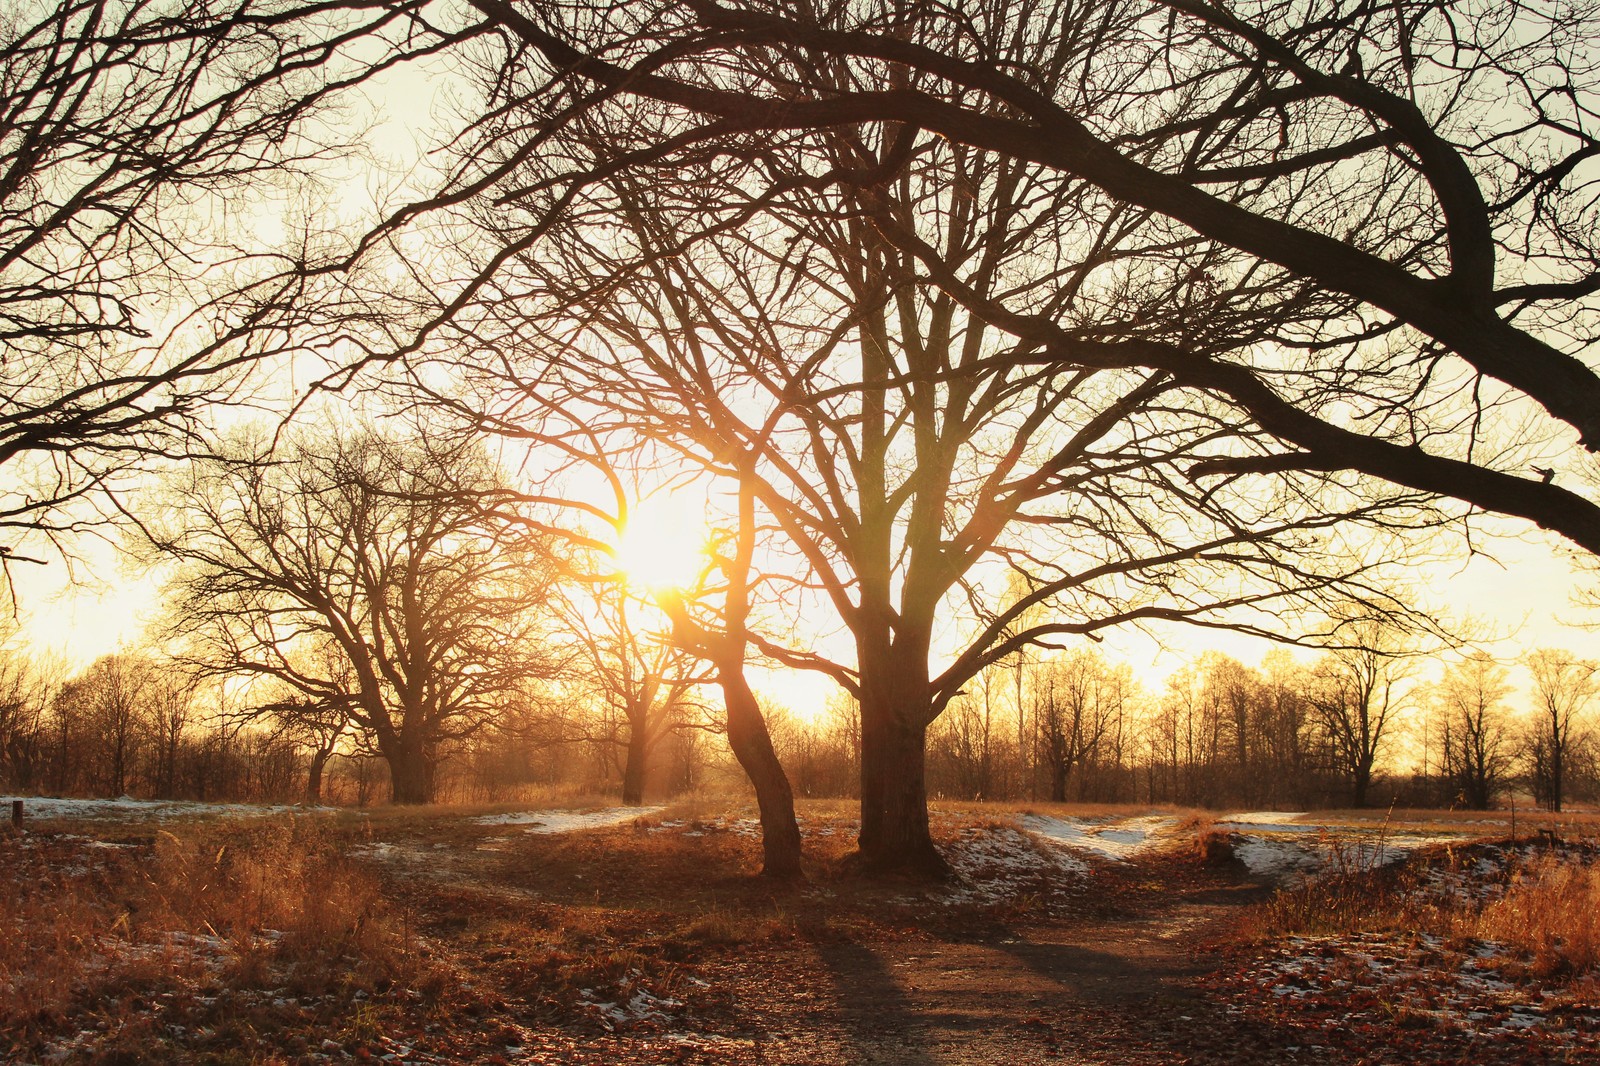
(1271, 822)
(639, 1006)
(1117, 841)
(566, 821)
(160, 810)
(1271, 857)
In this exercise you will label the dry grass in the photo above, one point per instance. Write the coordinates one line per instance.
(1545, 916)
(1549, 912)
(270, 904)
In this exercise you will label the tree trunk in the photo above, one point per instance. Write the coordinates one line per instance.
(1058, 781)
(894, 798)
(633, 772)
(1359, 784)
(1556, 770)
(319, 760)
(410, 774)
(752, 746)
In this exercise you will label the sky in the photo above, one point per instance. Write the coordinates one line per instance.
(1521, 595)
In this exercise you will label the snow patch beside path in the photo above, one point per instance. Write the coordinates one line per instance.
(1270, 822)
(566, 821)
(128, 807)
(1116, 841)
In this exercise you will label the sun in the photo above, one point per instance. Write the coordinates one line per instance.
(663, 546)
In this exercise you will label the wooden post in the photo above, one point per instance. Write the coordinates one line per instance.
(16, 815)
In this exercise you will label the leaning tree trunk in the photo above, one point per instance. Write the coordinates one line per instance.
(319, 760)
(752, 746)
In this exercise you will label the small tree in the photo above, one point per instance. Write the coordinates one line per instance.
(1475, 736)
(1078, 700)
(1565, 687)
(1354, 701)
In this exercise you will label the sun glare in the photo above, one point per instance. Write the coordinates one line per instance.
(663, 545)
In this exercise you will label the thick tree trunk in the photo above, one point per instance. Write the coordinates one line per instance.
(894, 798)
(1359, 784)
(1058, 782)
(752, 746)
(410, 774)
(638, 764)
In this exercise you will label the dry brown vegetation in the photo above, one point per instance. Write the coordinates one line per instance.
(1540, 906)
(239, 914)
(427, 935)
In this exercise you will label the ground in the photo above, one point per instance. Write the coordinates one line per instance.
(1067, 935)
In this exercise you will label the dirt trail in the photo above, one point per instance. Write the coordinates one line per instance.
(1107, 976)
(1112, 991)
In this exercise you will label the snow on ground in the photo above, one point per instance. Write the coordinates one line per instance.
(699, 827)
(128, 807)
(1117, 841)
(633, 1007)
(566, 821)
(1270, 822)
(1274, 858)
(1278, 843)
(1418, 981)
(997, 863)
(1421, 978)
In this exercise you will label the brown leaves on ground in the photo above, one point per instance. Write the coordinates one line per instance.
(434, 939)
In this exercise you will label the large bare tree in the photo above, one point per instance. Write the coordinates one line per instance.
(1416, 173)
(360, 571)
(763, 320)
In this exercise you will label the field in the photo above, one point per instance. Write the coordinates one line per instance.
(184, 933)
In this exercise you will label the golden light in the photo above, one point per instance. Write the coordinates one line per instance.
(663, 545)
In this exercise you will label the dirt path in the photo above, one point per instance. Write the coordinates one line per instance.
(1106, 991)
(1109, 976)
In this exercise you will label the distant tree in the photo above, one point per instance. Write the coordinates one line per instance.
(639, 683)
(1078, 701)
(1286, 728)
(1475, 735)
(373, 550)
(1237, 692)
(28, 686)
(1353, 698)
(1565, 688)
(115, 706)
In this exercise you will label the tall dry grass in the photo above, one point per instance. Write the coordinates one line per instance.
(1546, 914)
(1551, 913)
(267, 904)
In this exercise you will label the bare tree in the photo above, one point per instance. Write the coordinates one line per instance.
(126, 308)
(374, 553)
(908, 453)
(1412, 181)
(1475, 736)
(1354, 700)
(1565, 686)
(639, 682)
(1078, 700)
